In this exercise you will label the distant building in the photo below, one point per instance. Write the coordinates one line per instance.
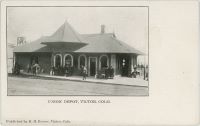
(68, 47)
(10, 48)
(21, 41)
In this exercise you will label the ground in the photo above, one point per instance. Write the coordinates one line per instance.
(20, 85)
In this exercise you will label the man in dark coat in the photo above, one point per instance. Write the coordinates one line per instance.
(106, 72)
(84, 73)
(111, 72)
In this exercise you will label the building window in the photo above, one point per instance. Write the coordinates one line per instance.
(123, 62)
(68, 60)
(103, 61)
(57, 60)
(82, 61)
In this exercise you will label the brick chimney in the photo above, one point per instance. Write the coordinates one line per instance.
(103, 29)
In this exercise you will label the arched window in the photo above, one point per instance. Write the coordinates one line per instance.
(82, 61)
(103, 61)
(68, 60)
(57, 60)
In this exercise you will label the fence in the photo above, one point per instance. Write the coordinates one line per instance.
(143, 72)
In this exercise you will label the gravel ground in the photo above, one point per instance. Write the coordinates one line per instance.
(29, 85)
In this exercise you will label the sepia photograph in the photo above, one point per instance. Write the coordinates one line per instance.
(99, 63)
(77, 51)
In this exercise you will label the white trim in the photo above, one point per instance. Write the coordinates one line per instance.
(132, 63)
(14, 59)
(71, 58)
(79, 60)
(54, 59)
(89, 65)
(100, 60)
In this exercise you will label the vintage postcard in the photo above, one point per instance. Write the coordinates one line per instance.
(99, 63)
(77, 52)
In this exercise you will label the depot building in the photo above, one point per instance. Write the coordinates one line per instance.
(67, 47)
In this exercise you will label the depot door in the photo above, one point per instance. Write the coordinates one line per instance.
(124, 61)
(93, 64)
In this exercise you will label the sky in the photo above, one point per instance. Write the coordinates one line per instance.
(130, 24)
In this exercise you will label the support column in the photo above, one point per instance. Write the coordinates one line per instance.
(113, 62)
(88, 66)
(62, 59)
(133, 61)
(132, 64)
(14, 59)
(52, 59)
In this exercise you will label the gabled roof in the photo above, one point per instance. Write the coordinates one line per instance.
(64, 34)
(85, 43)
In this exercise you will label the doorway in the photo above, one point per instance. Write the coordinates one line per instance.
(124, 64)
(93, 65)
(34, 60)
(57, 61)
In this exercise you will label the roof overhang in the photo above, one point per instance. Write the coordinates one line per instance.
(58, 43)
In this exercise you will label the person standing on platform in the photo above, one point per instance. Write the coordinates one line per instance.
(84, 73)
(111, 72)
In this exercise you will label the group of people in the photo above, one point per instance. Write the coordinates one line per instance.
(34, 68)
(67, 71)
(135, 72)
(109, 72)
(106, 73)
(143, 71)
(58, 70)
